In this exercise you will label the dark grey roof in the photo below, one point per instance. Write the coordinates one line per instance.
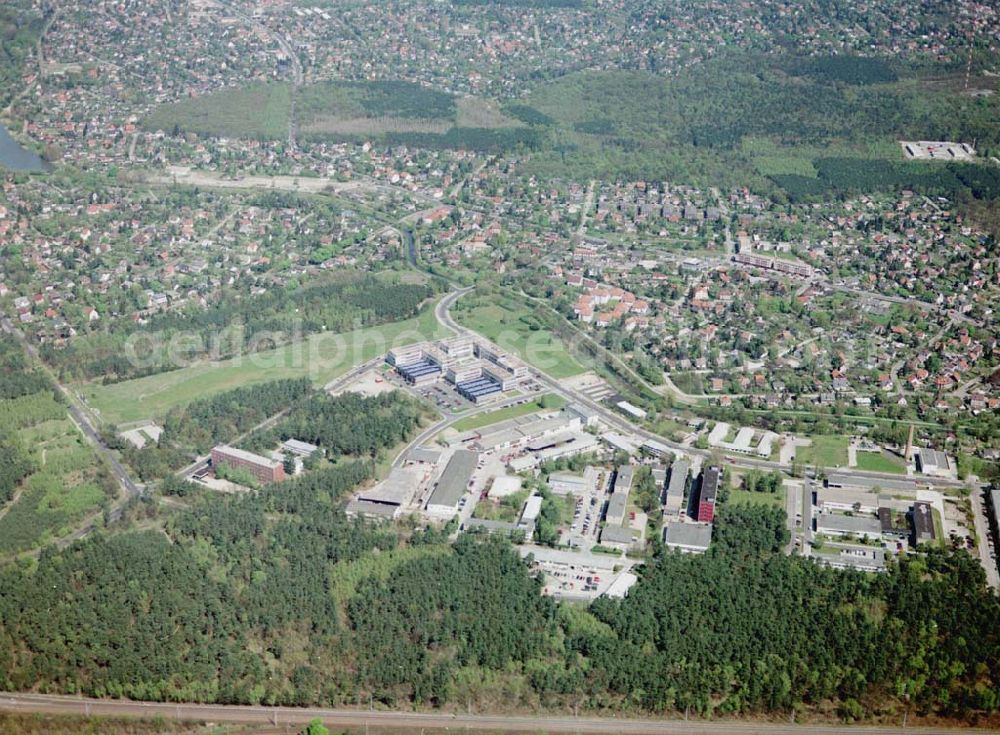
(617, 535)
(455, 478)
(923, 520)
(709, 484)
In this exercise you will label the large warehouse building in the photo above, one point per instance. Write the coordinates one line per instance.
(453, 484)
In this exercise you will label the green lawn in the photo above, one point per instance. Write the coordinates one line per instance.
(493, 417)
(512, 331)
(749, 498)
(826, 451)
(878, 462)
(321, 357)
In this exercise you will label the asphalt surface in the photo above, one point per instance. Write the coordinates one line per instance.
(277, 716)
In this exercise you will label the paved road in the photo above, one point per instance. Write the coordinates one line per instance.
(340, 718)
(617, 421)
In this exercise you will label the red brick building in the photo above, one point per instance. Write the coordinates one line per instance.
(264, 469)
(706, 497)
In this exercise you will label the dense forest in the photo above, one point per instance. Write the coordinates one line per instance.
(375, 99)
(192, 430)
(348, 424)
(698, 124)
(242, 601)
(239, 323)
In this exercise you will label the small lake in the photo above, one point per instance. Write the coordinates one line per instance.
(15, 157)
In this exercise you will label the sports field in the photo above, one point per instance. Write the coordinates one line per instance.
(320, 357)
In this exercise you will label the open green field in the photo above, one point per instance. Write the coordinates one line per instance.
(826, 451)
(320, 357)
(510, 412)
(62, 490)
(879, 462)
(225, 113)
(510, 328)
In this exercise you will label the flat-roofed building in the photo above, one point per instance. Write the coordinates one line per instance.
(299, 448)
(710, 478)
(407, 355)
(500, 528)
(673, 496)
(395, 490)
(261, 468)
(848, 556)
(933, 462)
(836, 524)
(378, 511)
(619, 537)
(893, 523)
(529, 514)
(691, 538)
(453, 484)
(923, 523)
(861, 482)
(570, 444)
(836, 499)
(457, 347)
(617, 504)
(464, 371)
(587, 416)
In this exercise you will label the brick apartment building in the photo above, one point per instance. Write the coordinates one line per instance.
(264, 469)
(706, 498)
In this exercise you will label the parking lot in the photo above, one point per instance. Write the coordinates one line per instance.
(583, 532)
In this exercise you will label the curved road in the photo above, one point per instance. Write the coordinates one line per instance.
(615, 420)
(342, 718)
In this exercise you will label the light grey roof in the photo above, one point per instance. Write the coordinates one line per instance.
(623, 480)
(867, 483)
(455, 478)
(678, 479)
(616, 507)
(299, 447)
(687, 535)
(848, 524)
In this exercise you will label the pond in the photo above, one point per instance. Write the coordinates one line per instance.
(14, 157)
